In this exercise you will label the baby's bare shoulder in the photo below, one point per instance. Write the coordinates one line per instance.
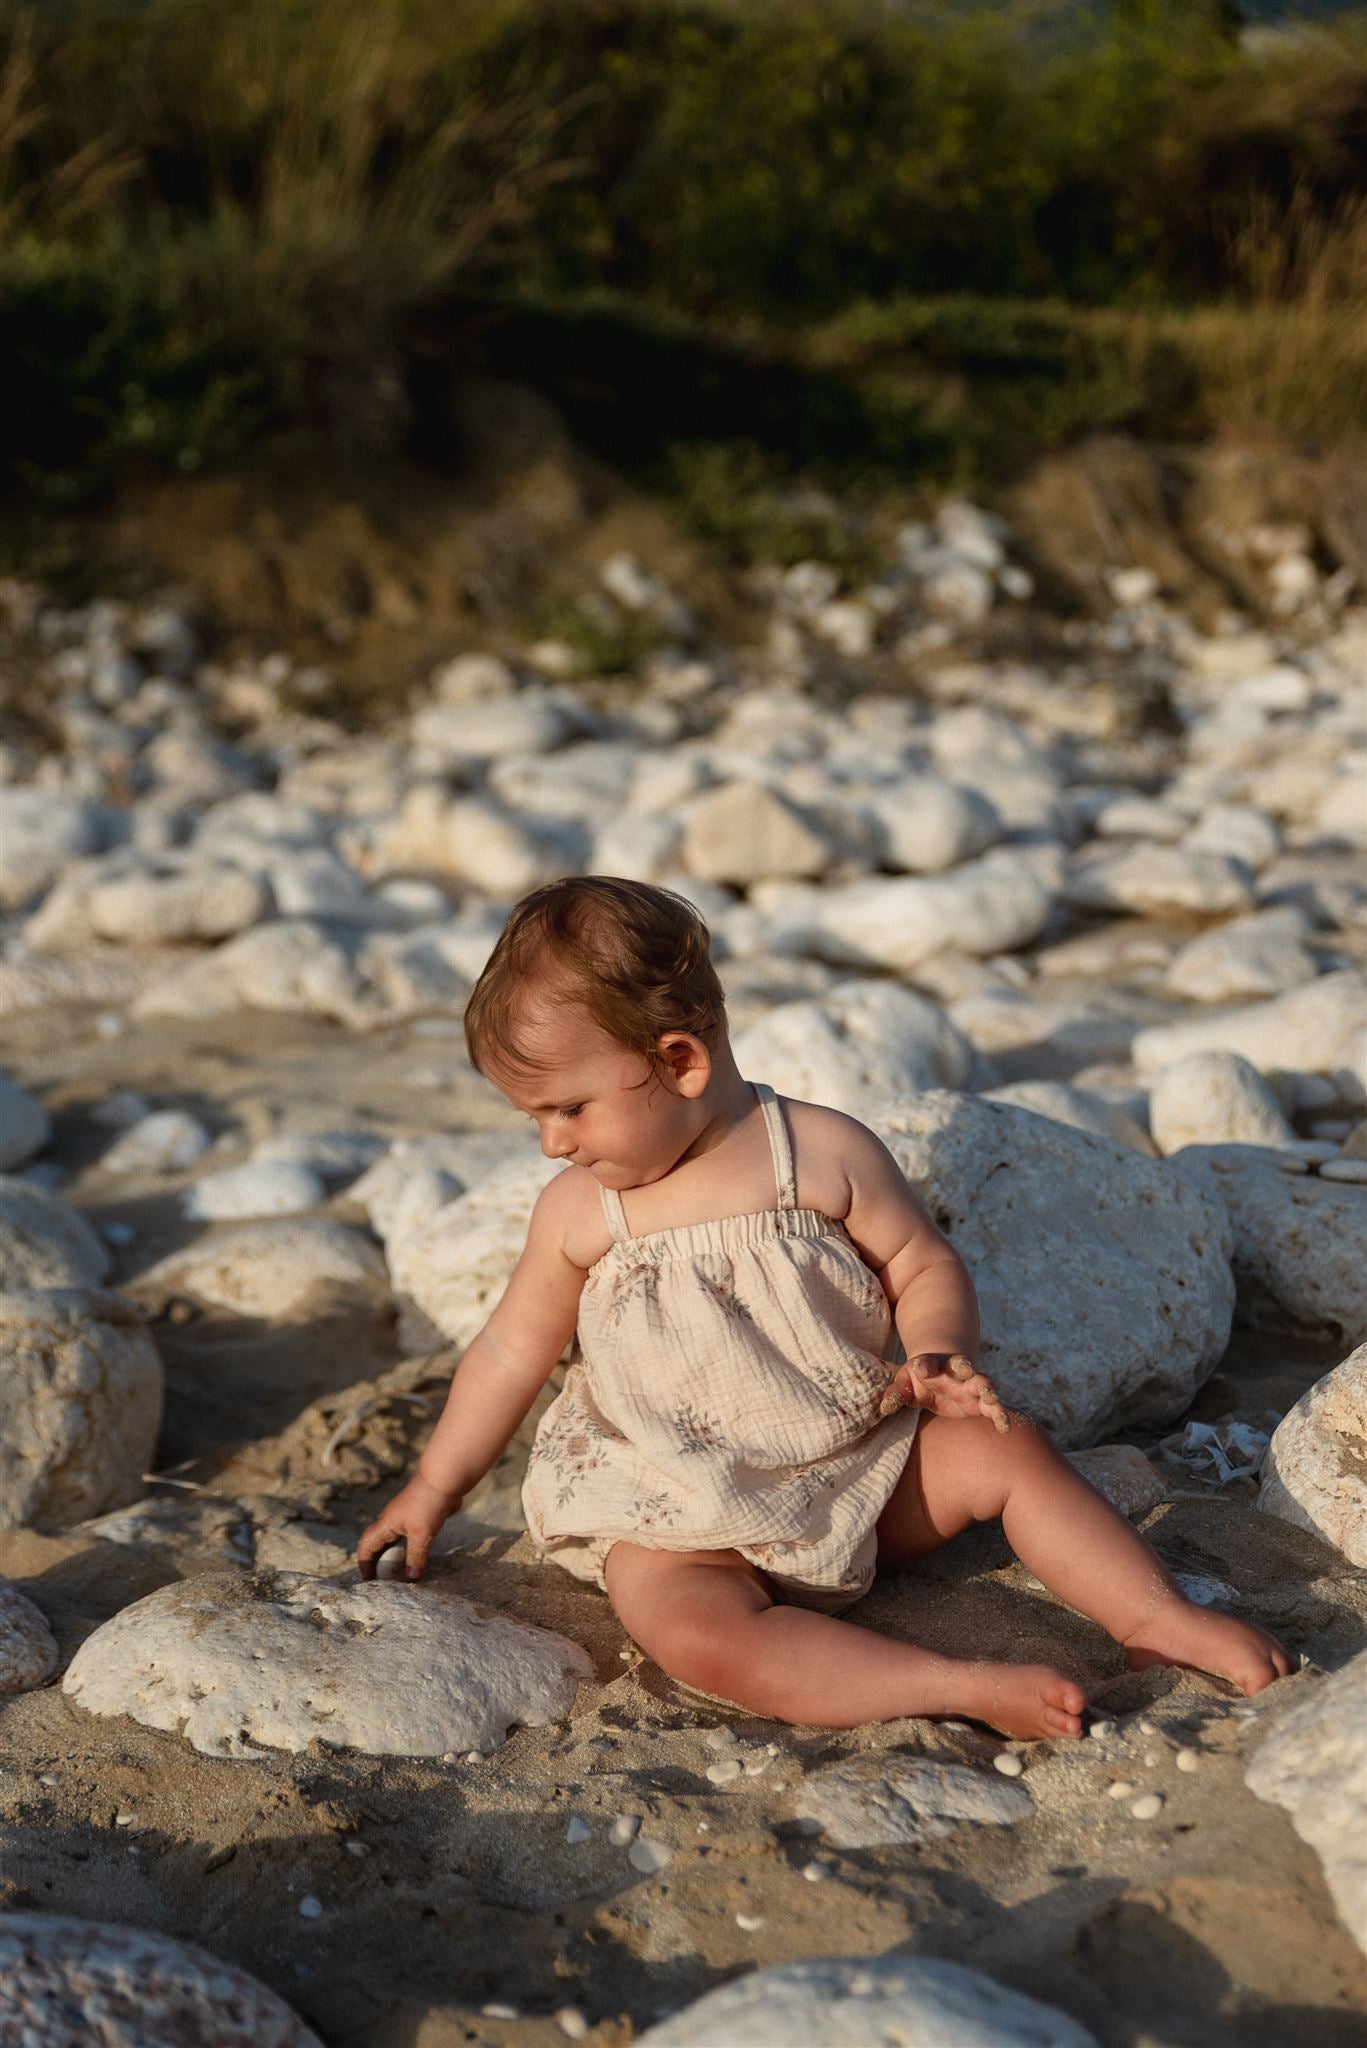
(574, 1211)
(829, 1148)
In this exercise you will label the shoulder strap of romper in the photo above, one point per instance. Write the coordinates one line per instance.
(784, 1179)
(616, 1215)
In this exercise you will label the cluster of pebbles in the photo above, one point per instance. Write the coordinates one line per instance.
(1097, 978)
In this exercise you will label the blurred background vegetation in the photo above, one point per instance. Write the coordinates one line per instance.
(733, 240)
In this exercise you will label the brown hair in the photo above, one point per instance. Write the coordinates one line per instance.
(635, 955)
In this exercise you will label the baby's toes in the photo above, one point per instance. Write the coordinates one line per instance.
(1064, 1704)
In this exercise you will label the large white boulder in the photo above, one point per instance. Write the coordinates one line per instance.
(453, 1266)
(259, 1187)
(861, 1043)
(1318, 1029)
(1156, 880)
(1263, 954)
(532, 721)
(1315, 1471)
(1214, 1098)
(290, 965)
(864, 2002)
(44, 1242)
(280, 1268)
(1315, 1763)
(926, 824)
(24, 1125)
(1105, 1289)
(197, 906)
(42, 832)
(1300, 1243)
(73, 1983)
(896, 922)
(1082, 1108)
(80, 1405)
(28, 1653)
(239, 1665)
(745, 832)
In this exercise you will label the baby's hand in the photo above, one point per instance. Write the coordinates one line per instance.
(413, 1518)
(946, 1384)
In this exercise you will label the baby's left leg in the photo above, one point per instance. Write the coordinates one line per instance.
(962, 1470)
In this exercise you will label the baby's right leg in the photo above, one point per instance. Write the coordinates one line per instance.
(708, 1619)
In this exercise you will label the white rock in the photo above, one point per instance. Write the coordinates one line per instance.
(28, 1651)
(744, 832)
(864, 2002)
(80, 1405)
(481, 729)
(271, 1269)
(1315, 1471)
(1241, 831)
(463, 839)
(985, 906)
(24, 1124)
(1315, 1763)
(162, 1142)
(926, 824)
(905, 1800)
(70, 1983)
(43, 831)
(198, 906)
(457, 1264)
(639, 848)
(579, 783)
(1083, 1109)
(1123, 1474)
(1300, 1243)
(290, 965)
(261, 1187)
(1214, 1098)
(44, 1242)
(1260, 955)
(281, 1660)
(1120, 1307)
(315, 883)
(1318, 1029)
(471, 676)
(1156, 880)
(861, 1043)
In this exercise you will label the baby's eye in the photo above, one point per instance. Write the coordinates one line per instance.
(568, 1113)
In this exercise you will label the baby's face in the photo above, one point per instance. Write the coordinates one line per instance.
(595, 1102)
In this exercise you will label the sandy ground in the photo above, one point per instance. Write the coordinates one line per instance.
(446, 1888)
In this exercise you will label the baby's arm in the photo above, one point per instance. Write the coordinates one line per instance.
(501, 1372)
(934, 1305)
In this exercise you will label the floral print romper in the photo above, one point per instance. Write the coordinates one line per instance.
(724, 1396)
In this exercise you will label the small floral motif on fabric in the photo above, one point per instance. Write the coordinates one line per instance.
(724, 1293)
(653, 1510)
(639, 1282)
(570, 1444)
(697, 1433)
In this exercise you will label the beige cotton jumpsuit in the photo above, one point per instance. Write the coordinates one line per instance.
(725, 1397)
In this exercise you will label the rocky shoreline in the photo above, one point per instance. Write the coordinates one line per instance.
(1084, 938)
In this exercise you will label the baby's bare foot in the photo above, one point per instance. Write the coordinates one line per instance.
(1202, 1639)
(1027, 1700)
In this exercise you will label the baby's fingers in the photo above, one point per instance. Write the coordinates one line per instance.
(378, 1538)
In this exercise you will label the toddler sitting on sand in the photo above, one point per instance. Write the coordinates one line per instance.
(734, 1451)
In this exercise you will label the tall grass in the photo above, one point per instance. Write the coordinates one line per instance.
(948, 235)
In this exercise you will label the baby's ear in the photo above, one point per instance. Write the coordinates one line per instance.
(689, 1061)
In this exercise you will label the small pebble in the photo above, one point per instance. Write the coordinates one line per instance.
(571, 2021)
(1148, 1806)
(624, 1829)
(722, 1773)
(757, 1765)
(578, 1830)
(1121, 1789)
(499, 2012)
(648, 1856)
(772, 1748)
(1100, 1729)
(814, 1872)
(720, 1738)
(749, 1922)
(1147, 1728)
(357, 1848)
(310, 1908)
(474, 1756)
(124, 1820)
(1188, 1759)
(1010, 1766)
(1152, 1758)
(47, 1778)
(448, 1756)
